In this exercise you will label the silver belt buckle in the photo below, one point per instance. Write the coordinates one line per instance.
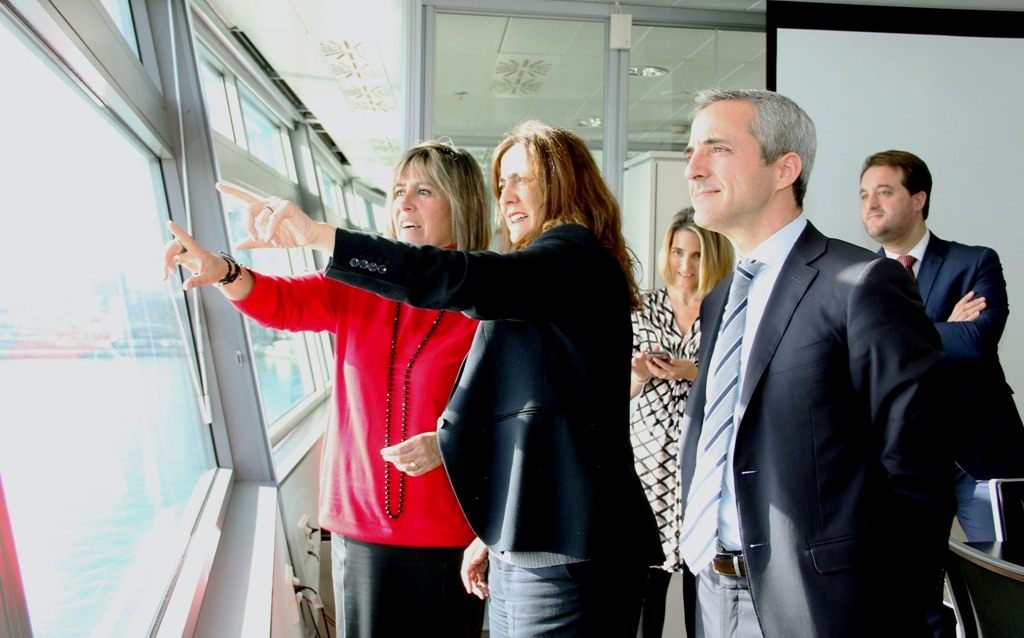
(738, 565)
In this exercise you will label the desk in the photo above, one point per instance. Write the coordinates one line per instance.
(1006, 557)
(991, 577)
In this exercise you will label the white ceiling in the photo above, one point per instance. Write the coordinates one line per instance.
(345, 58)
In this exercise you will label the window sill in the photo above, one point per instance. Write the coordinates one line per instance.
(294, 447)
(239, 593)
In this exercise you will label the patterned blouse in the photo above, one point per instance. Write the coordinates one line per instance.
(657, 416)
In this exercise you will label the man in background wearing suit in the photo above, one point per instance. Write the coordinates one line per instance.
(828, 520)
(965, 296)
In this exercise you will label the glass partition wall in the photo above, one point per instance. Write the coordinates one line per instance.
(492, 72)
(669, 65)
(487, 72)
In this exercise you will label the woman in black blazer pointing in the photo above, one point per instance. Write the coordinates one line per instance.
(535, 436)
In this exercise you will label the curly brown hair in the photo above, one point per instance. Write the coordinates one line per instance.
(572, 188)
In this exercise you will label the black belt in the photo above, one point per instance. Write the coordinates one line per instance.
(729, 564)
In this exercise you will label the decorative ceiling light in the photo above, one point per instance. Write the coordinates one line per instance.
(363, 83)
(368, 98)
(346, 60)
(680, 129)
(647, 71)
(520, 76)
(385, 146)
(589, 122)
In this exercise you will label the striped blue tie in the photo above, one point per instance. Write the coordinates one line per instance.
(699, 531)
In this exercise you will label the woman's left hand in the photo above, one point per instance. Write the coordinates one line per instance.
(415, 456)
(672, 369)
(474, 569)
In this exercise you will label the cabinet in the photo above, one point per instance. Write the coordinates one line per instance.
(654, 189)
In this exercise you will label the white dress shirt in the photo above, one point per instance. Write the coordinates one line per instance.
(917, 252)
(772, 253)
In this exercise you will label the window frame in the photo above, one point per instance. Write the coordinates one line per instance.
(82, 40)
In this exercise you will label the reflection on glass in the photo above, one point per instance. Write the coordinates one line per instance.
(334, 203)
(688, 60)
(282, 359)
(104, 455)
(216, 99)
(264, 135)
(493, 72)
(380, 217)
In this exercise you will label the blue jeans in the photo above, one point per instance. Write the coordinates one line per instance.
(974, 507)
(590, 598)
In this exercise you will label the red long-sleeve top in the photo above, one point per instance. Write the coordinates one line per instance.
(351, 467)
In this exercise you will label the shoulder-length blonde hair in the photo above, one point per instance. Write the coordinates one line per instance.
(572, 191)
(717, 258)
(460, 179)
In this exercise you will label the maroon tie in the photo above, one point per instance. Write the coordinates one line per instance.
(908, 263)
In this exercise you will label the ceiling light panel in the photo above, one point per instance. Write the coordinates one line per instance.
(521, 74)
(363, 83)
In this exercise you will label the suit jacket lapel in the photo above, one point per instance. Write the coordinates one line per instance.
(934, 255)
(794, 279)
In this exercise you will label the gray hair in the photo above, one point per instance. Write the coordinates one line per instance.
(780, 126)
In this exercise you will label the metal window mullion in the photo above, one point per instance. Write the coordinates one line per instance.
(616, 116)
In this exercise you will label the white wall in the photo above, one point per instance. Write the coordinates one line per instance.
(654, 190)
(956, 102)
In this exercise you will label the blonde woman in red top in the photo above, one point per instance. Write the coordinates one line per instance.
(397, 530)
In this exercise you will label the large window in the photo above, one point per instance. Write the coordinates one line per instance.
(291, 369)
(333, 197)
(286, 362)
(267, 139)
(215, 88)
(104, 454)
(121, 13)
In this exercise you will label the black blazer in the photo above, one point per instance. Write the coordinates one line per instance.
(842, 493)
(535, 437)
(986, 430)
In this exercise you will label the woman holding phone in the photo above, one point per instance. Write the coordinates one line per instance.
(666, 333)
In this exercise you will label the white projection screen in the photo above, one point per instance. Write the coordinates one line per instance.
(954, 97)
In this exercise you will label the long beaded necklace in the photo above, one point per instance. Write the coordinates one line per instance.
(405, 408)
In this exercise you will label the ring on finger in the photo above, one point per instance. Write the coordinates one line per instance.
(183, 249)
(267, 207)
(412, 465)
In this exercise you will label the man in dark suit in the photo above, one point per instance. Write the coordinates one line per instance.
(965, 296)
(830, 518)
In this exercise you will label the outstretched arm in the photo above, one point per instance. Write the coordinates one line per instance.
(206, 267)
(273, 222)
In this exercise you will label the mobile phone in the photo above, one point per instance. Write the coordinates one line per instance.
(664, 356)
